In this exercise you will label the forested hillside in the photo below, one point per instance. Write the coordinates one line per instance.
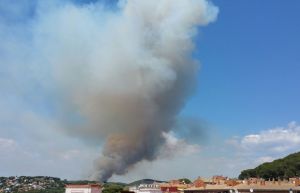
(284, 168)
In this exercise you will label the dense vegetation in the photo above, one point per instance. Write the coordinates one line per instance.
(32, 184)
(81, 182)
(51, 190)
(111, 187)
(278, 169)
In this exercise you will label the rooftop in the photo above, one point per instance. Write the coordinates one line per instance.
(268, 185)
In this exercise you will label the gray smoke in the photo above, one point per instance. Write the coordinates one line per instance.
(124, 74)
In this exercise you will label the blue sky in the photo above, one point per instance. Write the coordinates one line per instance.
(250, 66)
(248, 94)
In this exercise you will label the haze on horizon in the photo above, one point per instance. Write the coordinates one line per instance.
(196, 87)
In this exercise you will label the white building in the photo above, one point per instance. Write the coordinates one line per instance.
(89, 188)
(146, 188)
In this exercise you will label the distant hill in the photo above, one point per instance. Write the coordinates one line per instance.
(144, 181)
(284, 168)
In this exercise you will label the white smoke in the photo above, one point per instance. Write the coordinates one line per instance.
(121, 75)
(177, 147)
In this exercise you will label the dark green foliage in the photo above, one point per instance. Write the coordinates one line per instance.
(82, 182)
(278, 169)
(185, 180)
(53, 190)
(113, 187)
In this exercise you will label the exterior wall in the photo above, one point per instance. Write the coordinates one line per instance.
(133, 189)
(146, 188)
(172, 189)
(96, 190)
(78, 190)
(83, 190)
(149, 191)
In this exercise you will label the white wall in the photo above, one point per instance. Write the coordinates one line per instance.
(78, 190)
(83, 190)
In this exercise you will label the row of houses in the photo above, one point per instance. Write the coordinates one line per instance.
(217, 184)
(220, 184)
(25, 183)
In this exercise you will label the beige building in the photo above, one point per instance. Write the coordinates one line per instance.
(88, 188)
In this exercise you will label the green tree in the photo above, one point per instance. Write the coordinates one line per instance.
(185, 180)
(112, 188)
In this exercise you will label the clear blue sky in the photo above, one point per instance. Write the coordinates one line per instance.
(250, 76)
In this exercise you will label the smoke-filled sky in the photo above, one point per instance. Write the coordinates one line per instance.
(125, 90)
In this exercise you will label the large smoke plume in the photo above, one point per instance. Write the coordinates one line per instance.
(123, 73)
